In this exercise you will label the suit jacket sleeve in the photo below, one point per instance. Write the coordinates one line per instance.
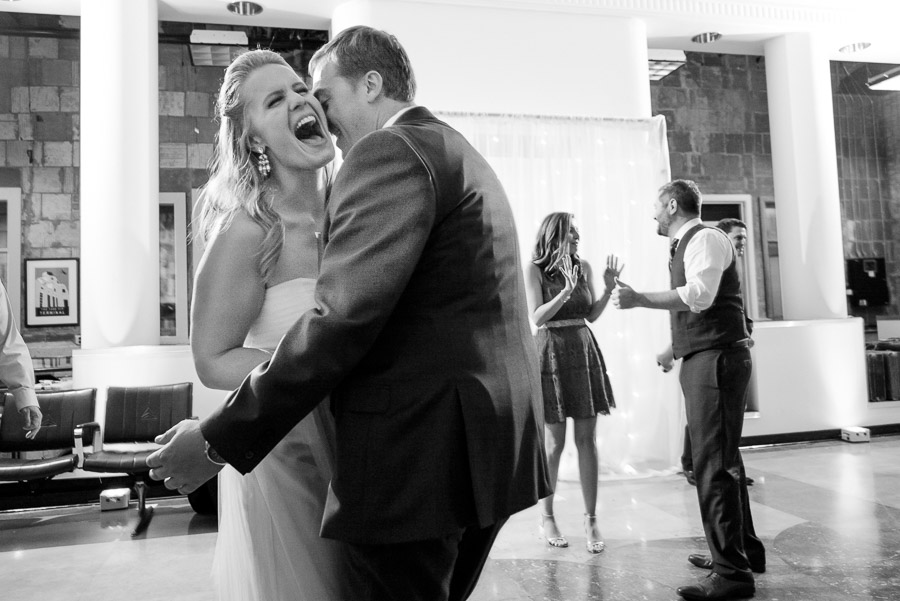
(380, 214)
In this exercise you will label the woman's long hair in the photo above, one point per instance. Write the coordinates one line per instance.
(551, 240)
(235, 183)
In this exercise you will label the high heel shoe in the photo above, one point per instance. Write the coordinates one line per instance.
(593, 546)
(560, 541)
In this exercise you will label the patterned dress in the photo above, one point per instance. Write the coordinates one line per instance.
(573, 373)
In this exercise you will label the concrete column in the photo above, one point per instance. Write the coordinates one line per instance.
(804, 157)
(501, 60)
(119, 174)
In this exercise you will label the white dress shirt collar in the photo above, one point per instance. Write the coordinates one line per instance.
(684, 229)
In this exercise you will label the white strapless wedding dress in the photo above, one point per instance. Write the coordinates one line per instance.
(269, 548)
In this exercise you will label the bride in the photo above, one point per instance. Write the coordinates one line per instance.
(260, 211)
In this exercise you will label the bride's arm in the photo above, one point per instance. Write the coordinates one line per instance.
(228, 295)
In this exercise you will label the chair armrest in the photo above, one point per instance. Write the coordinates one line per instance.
(95, 432)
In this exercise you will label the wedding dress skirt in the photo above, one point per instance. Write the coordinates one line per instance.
(269, 548)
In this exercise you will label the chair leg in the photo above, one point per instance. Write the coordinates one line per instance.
(140, 487)
(145, 513)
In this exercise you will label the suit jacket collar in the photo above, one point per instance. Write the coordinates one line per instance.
(415, 114)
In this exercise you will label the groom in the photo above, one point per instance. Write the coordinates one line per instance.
(421, 339)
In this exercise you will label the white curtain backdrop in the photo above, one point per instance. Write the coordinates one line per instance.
(606, 172)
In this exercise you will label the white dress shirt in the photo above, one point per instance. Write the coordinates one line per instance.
(708, 254)
(16, 368)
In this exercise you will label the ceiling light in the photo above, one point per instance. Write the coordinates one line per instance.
(706, 38)
(664, 62)
(855, 47)
(214, 48)
(245, 9)
(889, 80)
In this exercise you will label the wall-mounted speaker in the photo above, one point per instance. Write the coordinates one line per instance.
(867, 282)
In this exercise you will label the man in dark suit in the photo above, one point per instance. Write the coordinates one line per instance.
(709, 334)
(421, 339)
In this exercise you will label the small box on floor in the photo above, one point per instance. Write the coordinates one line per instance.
(855, 434)
(115, 498)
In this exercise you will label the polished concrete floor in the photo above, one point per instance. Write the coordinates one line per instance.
(829, 513)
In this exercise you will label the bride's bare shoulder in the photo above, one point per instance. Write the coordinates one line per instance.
(234, 247)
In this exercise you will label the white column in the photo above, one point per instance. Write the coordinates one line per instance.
(119, 174)
(505, 60)
(804, 157)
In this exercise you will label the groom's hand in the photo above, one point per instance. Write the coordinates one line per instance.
(624, 297)
(182, 463)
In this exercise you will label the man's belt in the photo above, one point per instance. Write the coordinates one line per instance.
(731, 346)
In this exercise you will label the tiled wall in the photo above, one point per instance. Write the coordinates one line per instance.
(889, 128)
(39, 134)
(39, 149)
(867, 135)
(717, 118)
(187, 97)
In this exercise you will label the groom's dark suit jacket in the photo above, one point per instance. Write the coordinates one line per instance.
(422, 339)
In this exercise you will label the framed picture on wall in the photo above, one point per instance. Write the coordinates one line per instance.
(51, 292)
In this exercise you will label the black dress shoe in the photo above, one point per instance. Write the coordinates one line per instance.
(717, 588)
(689, 476)
(704, 562)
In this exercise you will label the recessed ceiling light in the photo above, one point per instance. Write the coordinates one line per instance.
(245, 9)
(706, 38)
(855, 47)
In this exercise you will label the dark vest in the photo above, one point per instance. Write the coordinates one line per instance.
(720, 326)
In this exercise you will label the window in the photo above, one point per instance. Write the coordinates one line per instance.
(173, 301)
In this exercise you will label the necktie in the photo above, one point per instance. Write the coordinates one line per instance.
(672, 248)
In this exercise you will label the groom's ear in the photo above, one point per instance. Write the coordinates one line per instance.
(374, 84)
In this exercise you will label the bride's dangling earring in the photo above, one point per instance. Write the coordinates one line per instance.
(262, 163)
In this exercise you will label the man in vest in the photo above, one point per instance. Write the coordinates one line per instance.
(737, 233)
(709, 334)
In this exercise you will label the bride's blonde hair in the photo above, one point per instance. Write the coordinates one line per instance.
(235, 183)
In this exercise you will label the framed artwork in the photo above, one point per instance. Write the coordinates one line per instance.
(51, 292)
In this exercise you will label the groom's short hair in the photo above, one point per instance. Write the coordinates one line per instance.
(686, 194)
(360, 49)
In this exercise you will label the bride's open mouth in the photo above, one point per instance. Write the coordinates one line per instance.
(308, 129)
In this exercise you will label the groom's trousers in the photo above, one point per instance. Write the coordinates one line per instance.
(442, 569)
(714, 383)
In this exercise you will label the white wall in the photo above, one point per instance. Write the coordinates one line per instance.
(811, 376)
(487, 60)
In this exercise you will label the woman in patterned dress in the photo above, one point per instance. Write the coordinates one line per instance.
(561, 299)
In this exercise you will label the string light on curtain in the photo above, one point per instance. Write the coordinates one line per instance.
(607, 172)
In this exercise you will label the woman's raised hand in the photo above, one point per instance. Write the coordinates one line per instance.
(612, 271)
(570, 272)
